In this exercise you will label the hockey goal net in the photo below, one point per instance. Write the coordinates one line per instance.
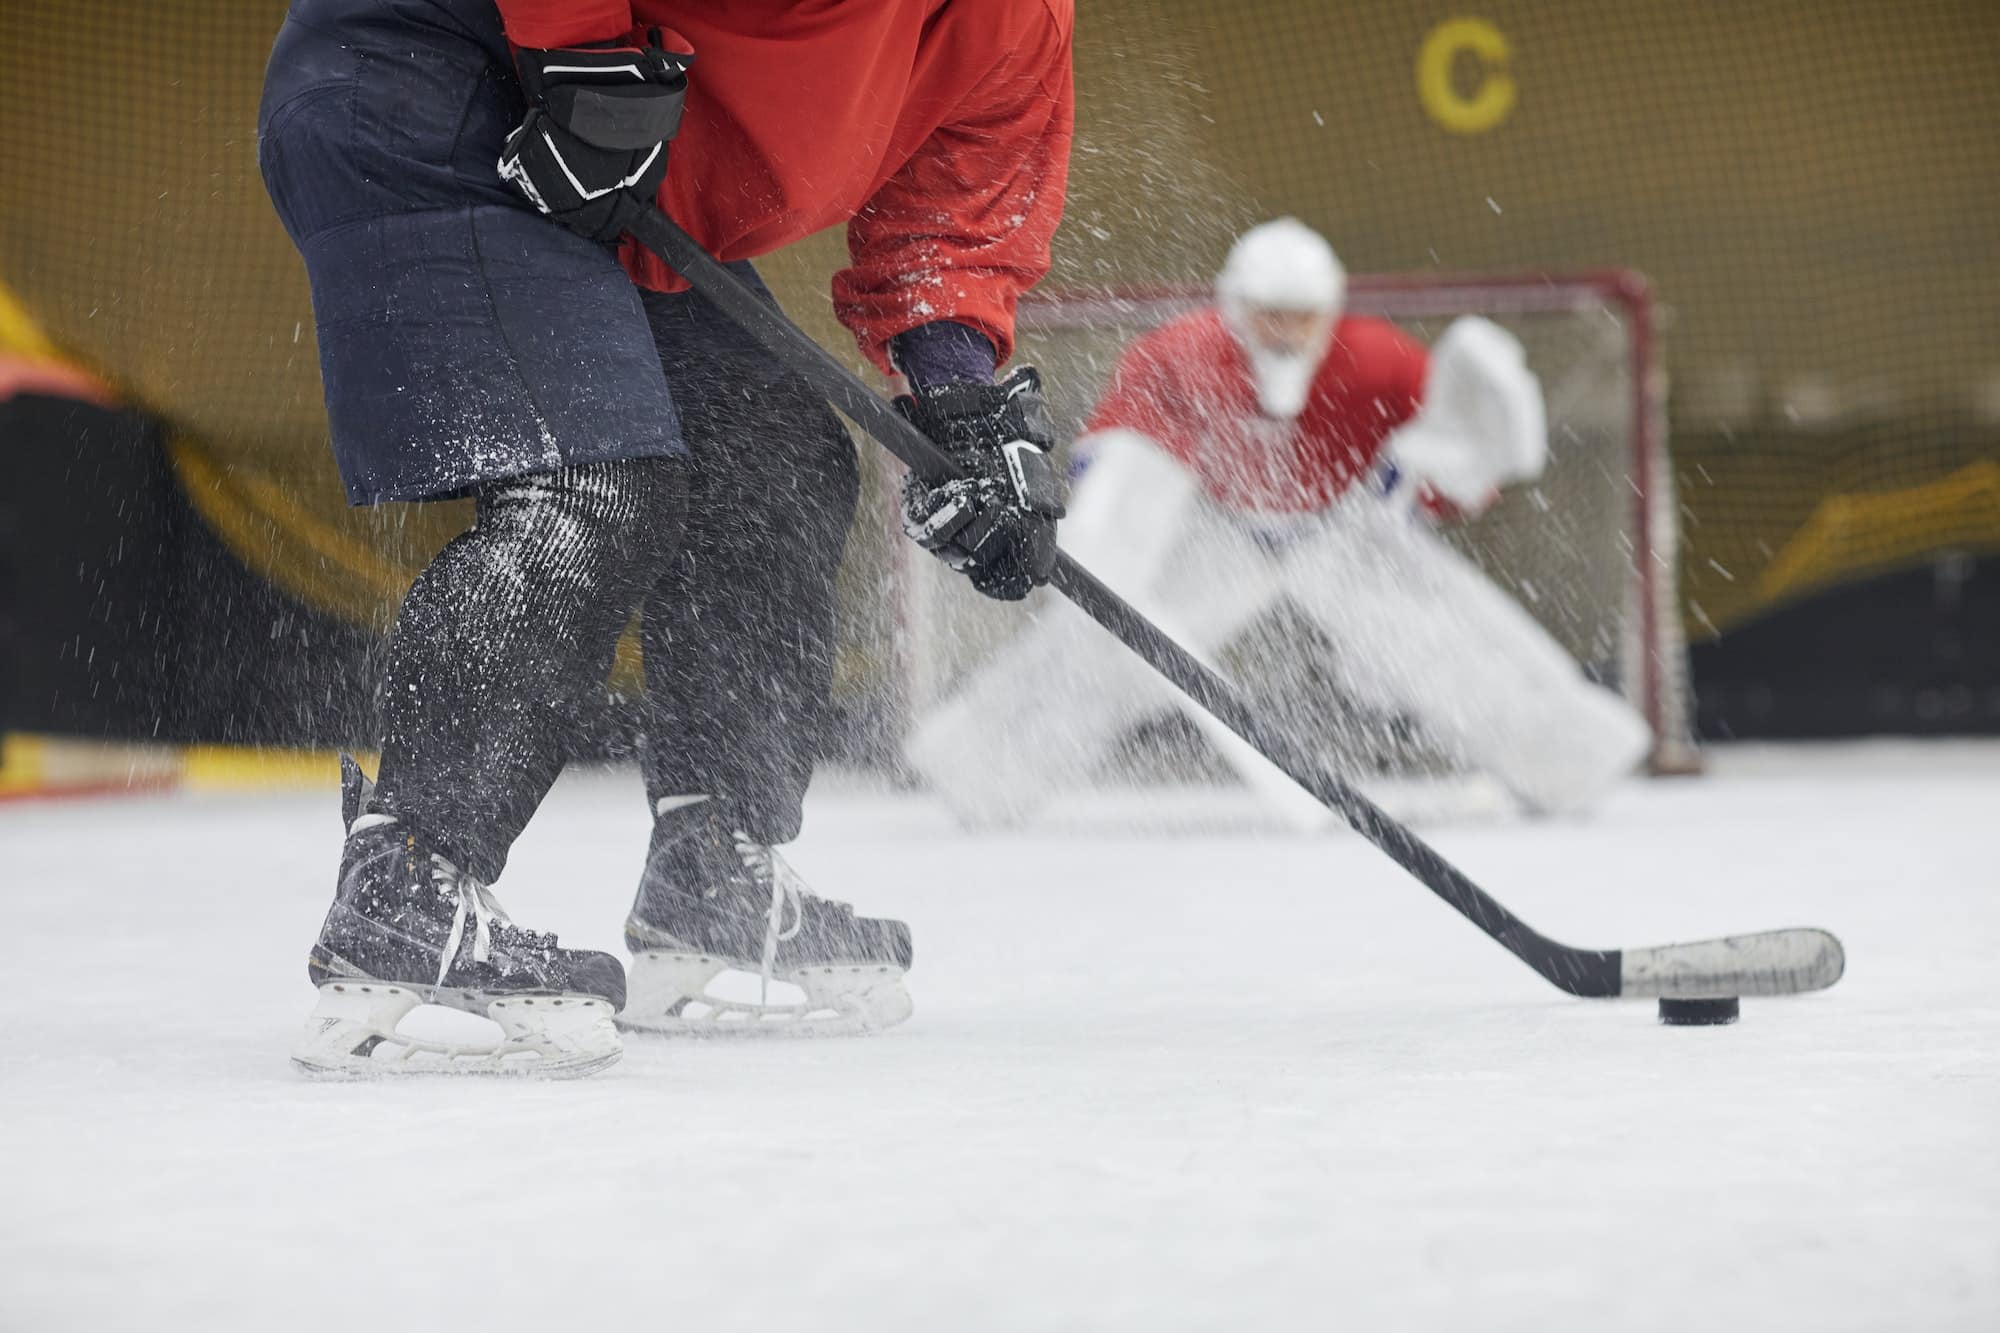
(1590, 548)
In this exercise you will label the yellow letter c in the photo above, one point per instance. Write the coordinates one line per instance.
(1489, 105)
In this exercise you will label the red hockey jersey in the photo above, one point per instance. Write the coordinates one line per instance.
(939, 130)
(1188, 386)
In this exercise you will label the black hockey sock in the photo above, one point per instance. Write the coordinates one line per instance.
(739, 637)
(504, 635)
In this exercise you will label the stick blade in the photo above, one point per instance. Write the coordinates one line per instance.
(1771, 962)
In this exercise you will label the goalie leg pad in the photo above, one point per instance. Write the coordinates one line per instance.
(353, 1034)
(669, 994)
(1420, 631)
(1009, 740)
(1040, 716)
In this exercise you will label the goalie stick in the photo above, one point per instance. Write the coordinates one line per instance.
(1775, 962)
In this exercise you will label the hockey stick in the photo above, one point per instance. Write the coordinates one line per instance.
(1777, 962)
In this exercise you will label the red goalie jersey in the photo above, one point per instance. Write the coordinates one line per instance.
(1189, 387)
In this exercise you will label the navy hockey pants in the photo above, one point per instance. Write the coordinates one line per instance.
(471, 347)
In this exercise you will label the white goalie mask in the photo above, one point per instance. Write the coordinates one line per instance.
(1280, 291)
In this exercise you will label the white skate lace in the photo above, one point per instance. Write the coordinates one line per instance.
(767, 867)
(476, 901)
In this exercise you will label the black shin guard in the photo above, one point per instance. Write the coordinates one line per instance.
(505, 635)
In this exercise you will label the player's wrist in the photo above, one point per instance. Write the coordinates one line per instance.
(941, 354)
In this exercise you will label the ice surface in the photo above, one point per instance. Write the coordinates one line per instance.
(1219, 1081)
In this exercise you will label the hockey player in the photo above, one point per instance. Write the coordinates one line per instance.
(1240, 457)
(458, 176)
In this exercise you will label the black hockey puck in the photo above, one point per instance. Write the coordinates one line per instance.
(1684, 1013)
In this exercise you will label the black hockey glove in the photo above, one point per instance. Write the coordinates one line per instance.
(592, 151)
(997, 523)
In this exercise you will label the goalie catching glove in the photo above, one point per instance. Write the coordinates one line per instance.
(592, 150)
(996, 522)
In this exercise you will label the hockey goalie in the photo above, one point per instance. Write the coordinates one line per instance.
(1270, 451)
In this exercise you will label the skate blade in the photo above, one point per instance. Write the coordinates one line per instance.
(667, 994)
(352, 1034)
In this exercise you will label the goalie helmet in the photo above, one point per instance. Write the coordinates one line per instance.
(1280, 291)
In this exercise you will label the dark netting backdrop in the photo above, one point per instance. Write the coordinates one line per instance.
(1810, 185)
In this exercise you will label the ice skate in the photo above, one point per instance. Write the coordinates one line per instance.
(407, 928)
(713, 901)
